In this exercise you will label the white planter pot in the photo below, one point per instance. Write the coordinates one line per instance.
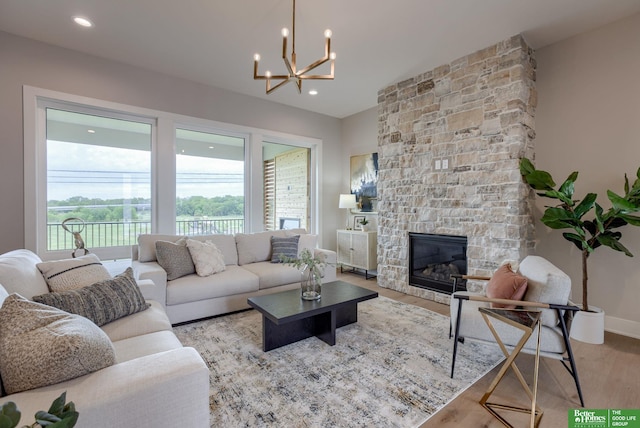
(588, 327)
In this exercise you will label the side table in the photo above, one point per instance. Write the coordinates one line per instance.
(527, 321)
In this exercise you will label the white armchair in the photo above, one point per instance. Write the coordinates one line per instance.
(548, 290)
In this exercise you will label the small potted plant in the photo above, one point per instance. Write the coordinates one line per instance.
(364, 224)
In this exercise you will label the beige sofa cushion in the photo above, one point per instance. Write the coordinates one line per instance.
(147, 245)
(147, 344)
(256, 247)
(19, 274)
(234, 280)
(273, 274)
(225, 243)
(149, 321)
(307, 242)
(40, 345)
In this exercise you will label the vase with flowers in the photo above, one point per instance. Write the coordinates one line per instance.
(310, 267)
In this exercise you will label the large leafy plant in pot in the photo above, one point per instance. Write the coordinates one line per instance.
(569, 213)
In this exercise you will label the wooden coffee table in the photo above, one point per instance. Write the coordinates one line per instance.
(286, 318)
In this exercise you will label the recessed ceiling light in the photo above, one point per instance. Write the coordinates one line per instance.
(313, 92)
(84, 22)
(211, 147)
(91, 131)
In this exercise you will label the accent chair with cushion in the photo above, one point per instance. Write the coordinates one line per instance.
(547, 289)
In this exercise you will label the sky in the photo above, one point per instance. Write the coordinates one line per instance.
(112, 173)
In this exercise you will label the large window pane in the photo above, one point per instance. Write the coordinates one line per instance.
(209, 183)
(98, 170)
(287, 187)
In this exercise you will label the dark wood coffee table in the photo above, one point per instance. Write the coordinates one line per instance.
(286, 318)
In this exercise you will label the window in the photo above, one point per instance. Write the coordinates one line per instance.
(209, 183)
(286, 175)
(98, 171)
(126, 170)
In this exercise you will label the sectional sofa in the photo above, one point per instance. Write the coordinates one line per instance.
(248, 271)
(150, 381)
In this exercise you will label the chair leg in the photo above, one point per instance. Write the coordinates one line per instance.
(456, 336)
(567, 344)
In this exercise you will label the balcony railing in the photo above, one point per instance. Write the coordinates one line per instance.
(115, 234)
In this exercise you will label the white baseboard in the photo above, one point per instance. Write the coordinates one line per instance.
(622, 326)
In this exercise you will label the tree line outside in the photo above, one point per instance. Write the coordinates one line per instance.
(94, 210)
(111, 222)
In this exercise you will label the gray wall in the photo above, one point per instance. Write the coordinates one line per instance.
(359, 137)
(27, 62)
(586, 120)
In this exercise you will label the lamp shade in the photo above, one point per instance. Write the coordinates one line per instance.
(347, 201)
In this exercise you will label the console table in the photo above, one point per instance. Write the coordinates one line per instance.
(358, 249)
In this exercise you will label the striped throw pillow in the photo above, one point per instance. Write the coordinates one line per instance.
(71, 274)
(102, 302)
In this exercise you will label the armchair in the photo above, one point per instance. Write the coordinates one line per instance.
(548, 290)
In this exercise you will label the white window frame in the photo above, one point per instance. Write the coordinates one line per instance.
(163, 149)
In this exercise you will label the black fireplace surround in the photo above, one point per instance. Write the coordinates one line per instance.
(434, 258)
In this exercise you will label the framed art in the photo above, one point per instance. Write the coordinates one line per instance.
(356, 221)
(364, 180)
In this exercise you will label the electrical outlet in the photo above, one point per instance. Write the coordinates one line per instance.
(438, 164)
(445, 163)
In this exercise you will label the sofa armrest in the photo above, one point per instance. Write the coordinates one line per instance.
(331, 258)
(152, 271)
(167, 389)
(147, 287)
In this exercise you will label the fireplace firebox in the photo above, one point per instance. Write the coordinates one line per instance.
(434, 258)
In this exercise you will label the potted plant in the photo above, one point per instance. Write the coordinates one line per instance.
(602, 229)
(363, 224)
(59, 415)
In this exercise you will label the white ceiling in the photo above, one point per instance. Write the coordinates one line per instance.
(377, 42)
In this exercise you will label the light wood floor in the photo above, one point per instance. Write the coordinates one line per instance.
(609, 375)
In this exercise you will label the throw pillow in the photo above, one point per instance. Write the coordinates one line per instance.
(71, 274)
(207, 258)
(506, 284)
(175, 259)
(307, 242)
(284, 247)
(102, 302)
(40, 345)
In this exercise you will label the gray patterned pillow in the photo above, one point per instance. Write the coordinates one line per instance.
(102, 302)
(40, 345)
(175, 259)
(287, 247)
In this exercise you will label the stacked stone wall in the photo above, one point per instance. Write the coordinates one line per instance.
(476, 114)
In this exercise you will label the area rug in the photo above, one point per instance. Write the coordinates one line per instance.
(389, 369)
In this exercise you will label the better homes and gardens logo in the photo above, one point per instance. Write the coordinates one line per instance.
(604, 418)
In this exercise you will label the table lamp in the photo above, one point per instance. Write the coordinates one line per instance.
(347, 201)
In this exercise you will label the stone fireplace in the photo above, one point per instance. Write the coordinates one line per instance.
(449, 144)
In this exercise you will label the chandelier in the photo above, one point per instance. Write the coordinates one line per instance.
(293, 74)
